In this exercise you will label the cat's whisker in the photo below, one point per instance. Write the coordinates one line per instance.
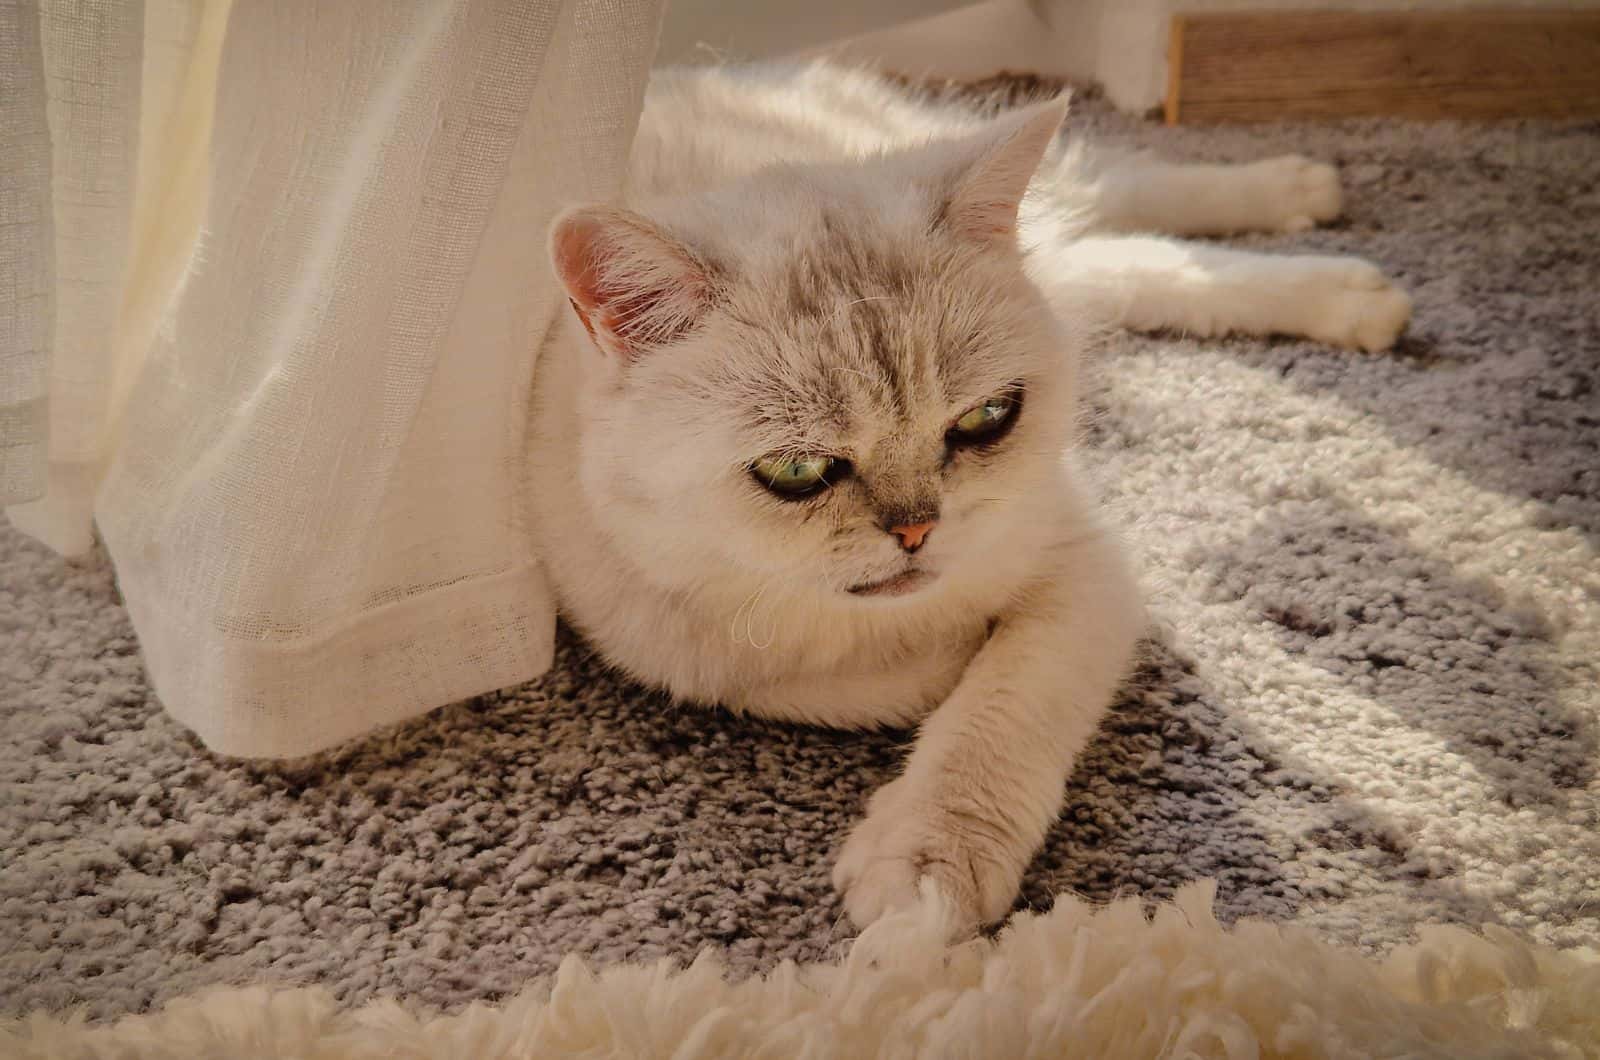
(733, 628)
(748, 609)
(750, 614)
(772, 627)
(855, 302)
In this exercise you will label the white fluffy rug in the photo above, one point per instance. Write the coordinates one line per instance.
(1077, 981)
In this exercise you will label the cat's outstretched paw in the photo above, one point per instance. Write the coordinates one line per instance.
(906, 843)
(1351, 303)
(1296, 192)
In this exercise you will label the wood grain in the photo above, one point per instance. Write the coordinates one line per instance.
(1265, 66)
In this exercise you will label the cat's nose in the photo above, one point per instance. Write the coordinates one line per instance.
(911, 536)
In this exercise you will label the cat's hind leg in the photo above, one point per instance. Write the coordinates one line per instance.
(1147, 283)
(1134, 193)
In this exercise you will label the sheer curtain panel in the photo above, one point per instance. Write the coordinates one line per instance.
(272, 285)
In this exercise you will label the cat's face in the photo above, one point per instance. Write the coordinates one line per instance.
(854, 391)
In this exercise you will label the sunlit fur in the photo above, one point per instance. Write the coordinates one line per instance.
(823, 266)
(847, 323)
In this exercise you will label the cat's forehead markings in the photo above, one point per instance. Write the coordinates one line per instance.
(807, 289)
(884, 346)
(886, 352)
(843, 256)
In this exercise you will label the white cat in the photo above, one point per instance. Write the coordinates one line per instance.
(805, 448)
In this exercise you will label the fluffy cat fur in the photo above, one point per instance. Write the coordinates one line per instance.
(809, 263)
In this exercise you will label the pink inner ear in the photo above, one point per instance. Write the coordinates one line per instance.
(984, 206)
(570, 247)
(990, 220)
(632, 287)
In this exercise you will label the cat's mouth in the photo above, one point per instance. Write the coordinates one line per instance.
(907, 581)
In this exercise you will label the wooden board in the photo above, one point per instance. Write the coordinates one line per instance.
(1265, 66)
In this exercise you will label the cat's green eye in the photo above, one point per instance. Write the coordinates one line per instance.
(985, 421)
(797, 476)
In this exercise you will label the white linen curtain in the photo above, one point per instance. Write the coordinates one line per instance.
(276, 270)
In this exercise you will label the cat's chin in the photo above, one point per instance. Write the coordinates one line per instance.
(902, 584)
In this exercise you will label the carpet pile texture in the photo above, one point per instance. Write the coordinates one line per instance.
(1371, 703)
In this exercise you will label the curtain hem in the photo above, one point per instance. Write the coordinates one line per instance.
(62, 516)
(389, 665)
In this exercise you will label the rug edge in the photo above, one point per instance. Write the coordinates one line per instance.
(1143, 985)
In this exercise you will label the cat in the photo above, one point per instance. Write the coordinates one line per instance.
(804, 447)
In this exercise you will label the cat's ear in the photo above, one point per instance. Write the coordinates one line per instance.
(633, 286)
(983, 206)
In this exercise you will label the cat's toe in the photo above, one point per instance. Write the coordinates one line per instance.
(1306, 193)
(1365, 316)
(1381, 319)
(873, 886)
(1318, 191)
(891, 857)
(1361, 275)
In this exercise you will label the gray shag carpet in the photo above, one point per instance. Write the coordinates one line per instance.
(1372, 701)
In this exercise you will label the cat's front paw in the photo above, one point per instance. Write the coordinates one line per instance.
(1298, 193)
(906, 841)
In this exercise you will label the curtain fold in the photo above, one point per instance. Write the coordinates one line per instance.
(295, 398)
(27, 249)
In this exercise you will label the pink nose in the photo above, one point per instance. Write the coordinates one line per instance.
(911, 537)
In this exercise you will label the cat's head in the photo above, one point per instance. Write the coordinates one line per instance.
(833, 378)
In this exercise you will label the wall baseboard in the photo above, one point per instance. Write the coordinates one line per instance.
(1271, 65)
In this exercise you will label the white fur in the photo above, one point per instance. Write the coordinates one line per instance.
(683, 572)
(1077, 981)
(1149, 283)
(1288, 194)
